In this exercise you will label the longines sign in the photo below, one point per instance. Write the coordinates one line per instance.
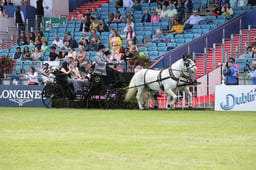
(235, 98)
(21, 96)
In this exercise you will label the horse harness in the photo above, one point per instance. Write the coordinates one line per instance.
(184, 75)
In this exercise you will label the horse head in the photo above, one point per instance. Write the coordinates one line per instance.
(189, 64)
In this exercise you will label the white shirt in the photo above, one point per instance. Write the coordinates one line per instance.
(33, 78)
(128, 3)
(58, 43)
(194, 20)
(163, 14)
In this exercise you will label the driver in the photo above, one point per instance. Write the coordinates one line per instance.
(103, 66)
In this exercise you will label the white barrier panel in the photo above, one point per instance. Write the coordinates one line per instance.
(235, 98)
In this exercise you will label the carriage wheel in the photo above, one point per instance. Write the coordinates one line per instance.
(51, 93)
(108, 99)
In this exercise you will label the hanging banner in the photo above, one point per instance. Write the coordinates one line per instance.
(53, 22)
(235, 98)
(20, 96)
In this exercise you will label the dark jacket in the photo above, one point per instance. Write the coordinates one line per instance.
(84, 27)
(72, 43)
(146, 18)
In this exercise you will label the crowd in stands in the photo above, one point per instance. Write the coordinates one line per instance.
(92, 25)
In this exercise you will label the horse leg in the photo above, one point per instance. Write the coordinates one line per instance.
(189, 93)
(170, 93)
(139, 97)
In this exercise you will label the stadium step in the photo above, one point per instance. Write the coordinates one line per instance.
(227, 48)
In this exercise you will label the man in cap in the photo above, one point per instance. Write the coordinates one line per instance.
(230, 72)
(252, 74)
(237, 68)
(101, 64)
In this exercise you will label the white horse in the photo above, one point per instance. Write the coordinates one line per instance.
(166, 81)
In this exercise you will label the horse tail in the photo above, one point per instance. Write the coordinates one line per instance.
(132, 90)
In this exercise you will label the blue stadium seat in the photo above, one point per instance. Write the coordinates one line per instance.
(148, 34)
(151, 45)
(172, 45)
(188, 35)
(169, 37)
(143, 49)
(139, 29)
(161, 45)
(153, 54)
(152, 48)
(26, 66)
(140, 39)
(162, 49)
(178, 36)
(18, 66)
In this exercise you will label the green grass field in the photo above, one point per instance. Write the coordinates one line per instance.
(75, 139)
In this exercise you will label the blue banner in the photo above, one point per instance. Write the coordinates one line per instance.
(21, 96)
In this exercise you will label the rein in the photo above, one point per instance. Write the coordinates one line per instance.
(171, 75)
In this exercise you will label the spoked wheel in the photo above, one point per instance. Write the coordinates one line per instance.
(108, 99)
(52, 93)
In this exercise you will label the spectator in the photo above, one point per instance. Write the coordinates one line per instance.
(237, 68)
(118, 18)
(95, 14)
(5, 14)
(32, 76)
(58, 42)
(8, 2)
(188, 5)
(31, 37)
(130, 35)
(217, 10)
(94, 25)
(252, 74)
(75, 74)
(53, 54)
(103, 26)
(94, 35)
(127, 3)
(163, 13)
(72, 53)
(19, 19)
(118, 67)
(171, 13)
(40, 37)
(72, 42)
(18, 54)
(45, 72)
(119, 4)
(146, 17)
(177, 28)
(65, 38)
(22, 40)
(129, 16)
(227, 11)
(254, 50)
(26, 3)
(85, 25)
(81, 56)
(193, 20)
(166, 3)
(83, 38)
(111, 18)
(44, 47)
(136, 6)
(79, 16)
(115, 43)
(40, 7)
(133, 49)
(122, 35)
(223, 2)
(26, 54)
(62, 54)
(159, 8)
(248, 53)
(180, 10)
(1, 10)
(129, 23)
(36, 54)
(158, 37)
(93, 46)
(230, 72)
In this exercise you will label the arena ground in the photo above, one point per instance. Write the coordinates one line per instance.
(126, 139)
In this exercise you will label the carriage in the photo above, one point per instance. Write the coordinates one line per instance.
(60, 92)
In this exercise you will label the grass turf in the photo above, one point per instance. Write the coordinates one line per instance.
(126, 139)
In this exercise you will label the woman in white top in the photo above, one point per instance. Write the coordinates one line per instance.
(32, 76)
(227, 10)
(163, 13)
(72, 53)
(128, 23)
(37, 54)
